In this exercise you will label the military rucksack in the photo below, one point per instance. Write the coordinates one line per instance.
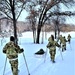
(11, 51)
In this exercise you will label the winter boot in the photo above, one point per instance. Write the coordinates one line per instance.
(53, 61)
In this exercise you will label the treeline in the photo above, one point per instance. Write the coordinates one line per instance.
(48, 28)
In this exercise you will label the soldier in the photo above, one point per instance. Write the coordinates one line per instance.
(11, 50)
(63, 43)
(52, 48)
(69, 38)
(60, 39)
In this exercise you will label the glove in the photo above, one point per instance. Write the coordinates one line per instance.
(4, 51)
(22, 50)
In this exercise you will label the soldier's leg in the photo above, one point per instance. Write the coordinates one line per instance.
(50, 55)
(14, 67)
(53, 56)
(64, 47)
(69, 41)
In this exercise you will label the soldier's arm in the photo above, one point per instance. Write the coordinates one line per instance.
(5, 48)
(18, 49)
(58, 45)
(48, 45)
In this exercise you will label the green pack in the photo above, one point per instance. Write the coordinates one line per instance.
(11, 52)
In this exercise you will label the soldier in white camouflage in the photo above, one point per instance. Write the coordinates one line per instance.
(12, 50)
(52, 48)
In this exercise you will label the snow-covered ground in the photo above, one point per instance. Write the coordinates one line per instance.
(36, 64)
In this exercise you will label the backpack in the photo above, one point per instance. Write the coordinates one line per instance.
(52, 45)
(11, 52)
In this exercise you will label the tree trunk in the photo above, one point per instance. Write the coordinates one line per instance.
(55, 34)
(0, 27)
(38, 34)
(55, 31)
(34, 36)
(15, 32)
(42, 38)
(58, 31)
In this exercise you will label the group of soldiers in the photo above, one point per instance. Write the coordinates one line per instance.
(12, 50)
(52, 44)
(61, 43)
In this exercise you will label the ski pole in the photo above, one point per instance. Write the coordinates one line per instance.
(5, 66)
(61, 54)
(45, 55)
(26, 63)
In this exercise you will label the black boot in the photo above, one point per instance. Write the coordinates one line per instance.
(53, 61)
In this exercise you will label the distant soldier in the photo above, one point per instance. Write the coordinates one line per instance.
(69, 38)
(52, 48)
(11, 50)
(60, 39)
(63, 43)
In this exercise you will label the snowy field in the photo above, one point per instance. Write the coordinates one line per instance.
(40, 65)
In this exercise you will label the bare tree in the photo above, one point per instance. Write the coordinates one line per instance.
(44, 9)
(32, 17)
(32, 21)
(48, 5)
(12, 9)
